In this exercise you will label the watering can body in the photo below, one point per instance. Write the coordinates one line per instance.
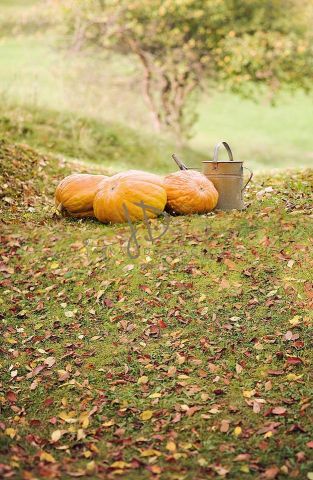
(228, 179)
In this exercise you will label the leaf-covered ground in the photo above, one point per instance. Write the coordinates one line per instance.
(190, 362)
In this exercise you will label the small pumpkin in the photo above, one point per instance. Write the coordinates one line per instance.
(74, 195)
(118, 196)
(189, 192)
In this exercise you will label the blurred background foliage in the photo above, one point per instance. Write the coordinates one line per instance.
(122, 83)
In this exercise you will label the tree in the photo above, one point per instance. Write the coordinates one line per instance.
(187, 45)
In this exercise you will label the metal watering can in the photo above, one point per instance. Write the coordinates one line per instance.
(226, 176)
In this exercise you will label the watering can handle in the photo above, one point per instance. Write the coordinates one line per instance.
(216, 149)
(249, 179)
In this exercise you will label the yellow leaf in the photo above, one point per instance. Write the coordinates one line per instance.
(237, 431)
(155, 395)
(10, 432)
(268, 434)
(295, 321)
(91, 466)
(84, 419)
(68, 417)
(142, 380)
(244, 469)
(171, 446)
(177, 455)
(47, 457)
(293, 376)
(146, 415)
(248, 393)
(120, 465)
(150, 452)
(109, 423)
(54, 265)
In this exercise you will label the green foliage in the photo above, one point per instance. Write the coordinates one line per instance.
(186, 45)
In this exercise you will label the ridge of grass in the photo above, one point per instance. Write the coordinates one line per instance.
(110, 145)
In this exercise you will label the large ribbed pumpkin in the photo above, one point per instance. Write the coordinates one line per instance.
(119, 194)
(189, 192)
(74, 194)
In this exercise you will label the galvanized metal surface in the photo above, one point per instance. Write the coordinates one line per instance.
(227, 177)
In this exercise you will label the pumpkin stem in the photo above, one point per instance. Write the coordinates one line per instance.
(181, 165)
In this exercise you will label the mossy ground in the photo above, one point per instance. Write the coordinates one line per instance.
(190, 362)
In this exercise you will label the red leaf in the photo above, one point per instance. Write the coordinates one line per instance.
(310, 444)
(108, 303)
(11, 396)
(162, 324)
(219, 391)
(295, 427)
(294, 360)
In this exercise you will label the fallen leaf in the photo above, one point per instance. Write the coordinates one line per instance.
(47, 457)
(120, 465)
(224, 426)
(248, 393)
(49, 361)
(295, 321)
(146, 415)
(279, 411)
(142, 380)
(237, 431)
(150, 452)
(11, 396)
(294, 360)
(239, 368)
(56, 435)
(10, 432)
(171, 446)
(271, 473)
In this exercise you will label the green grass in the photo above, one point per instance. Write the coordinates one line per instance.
(161, 333)
(263, 136)
(111, 145)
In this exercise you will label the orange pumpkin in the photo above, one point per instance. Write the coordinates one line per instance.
(189, 192)
(118, 196)
(74, 194)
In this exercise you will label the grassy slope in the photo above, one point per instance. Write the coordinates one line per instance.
(111, 145)
(210, 321)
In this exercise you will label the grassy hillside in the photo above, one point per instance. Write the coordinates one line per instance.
(191, 361)
(36, 69)
(111, 145)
